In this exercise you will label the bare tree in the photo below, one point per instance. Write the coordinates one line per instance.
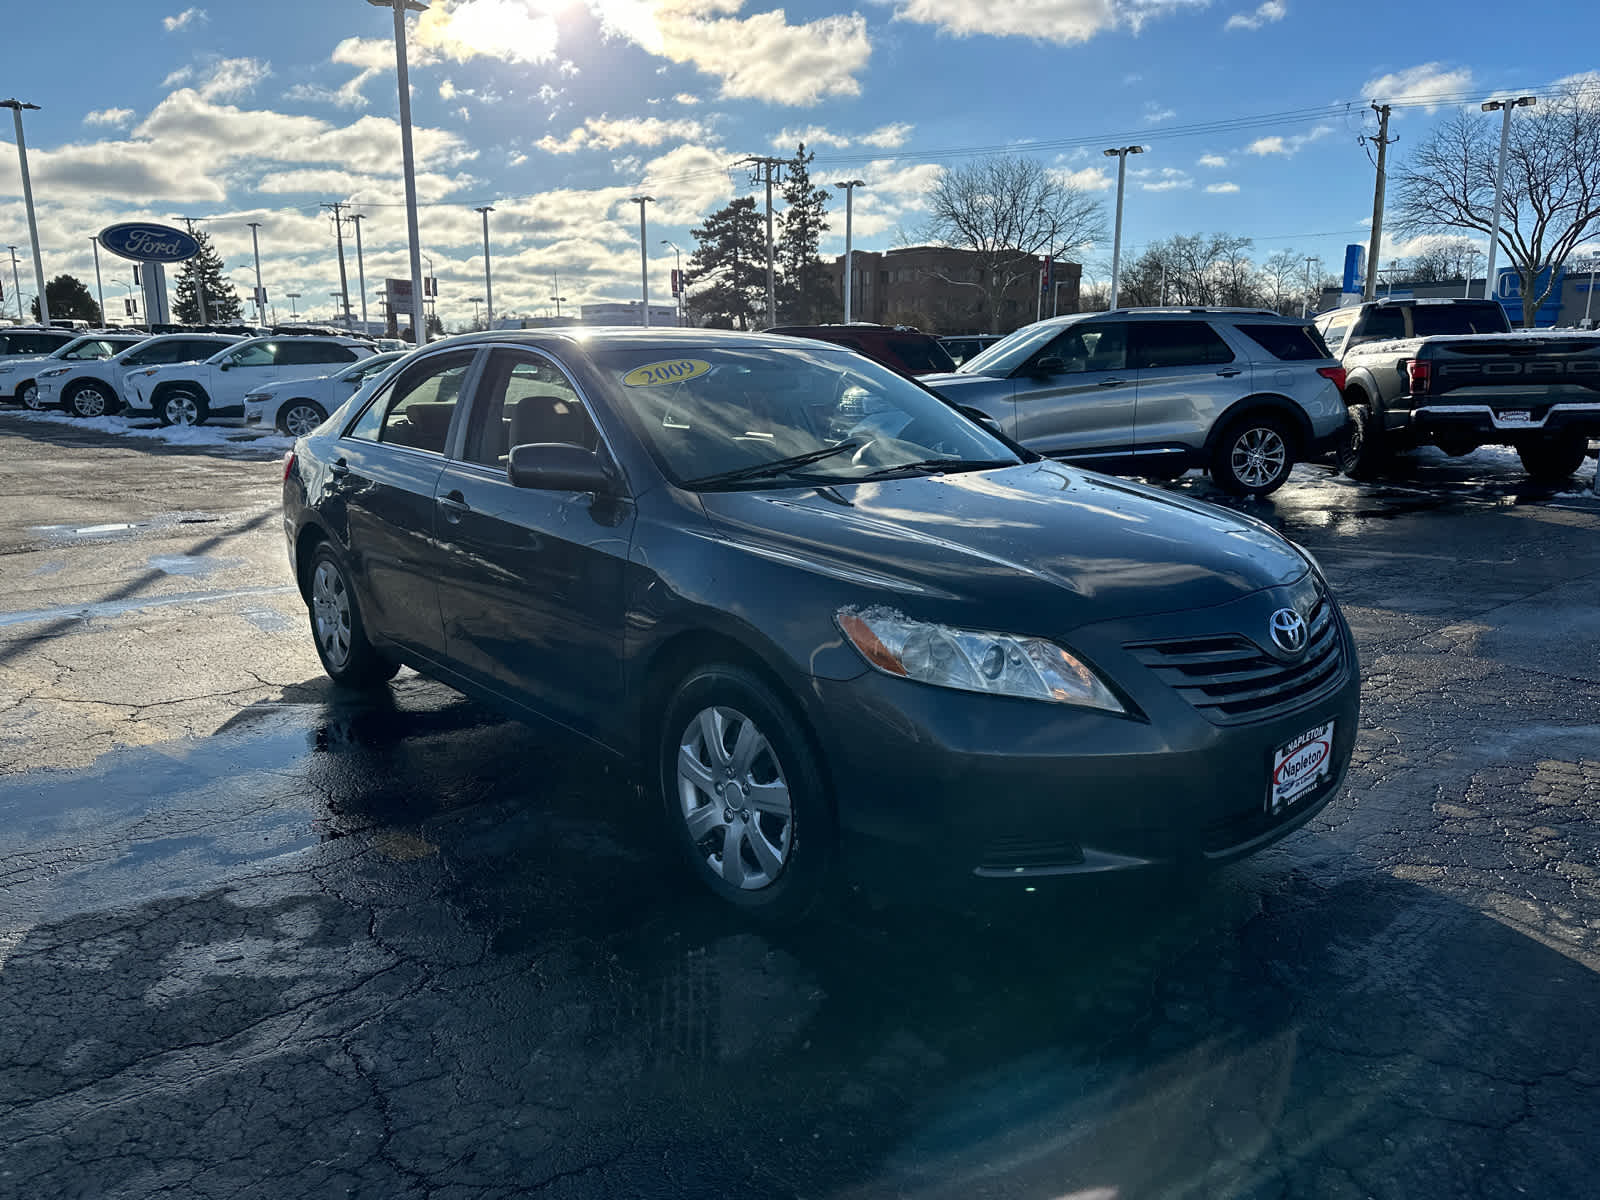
(1283, 278)
(1552, 185)
(1008, 210)
(1443, 260)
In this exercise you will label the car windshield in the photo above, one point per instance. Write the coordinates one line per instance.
(722, 418)
(75, 349)
(1009, 353)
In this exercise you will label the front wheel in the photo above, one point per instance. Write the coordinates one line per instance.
(1253, 457)
(91, 399)
(300, 417)
(28, 393)
(1554, 459)
(182, 407)
(347, 656)
(744, 795)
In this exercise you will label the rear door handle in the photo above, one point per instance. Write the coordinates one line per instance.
(340, 469)
(454, 504)
(1231, 371)
(1112, 382)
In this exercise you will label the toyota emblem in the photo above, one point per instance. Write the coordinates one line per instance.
(1288, 631)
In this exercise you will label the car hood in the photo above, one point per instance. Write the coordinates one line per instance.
(278, 385)
(33, 362)
(1038, 547)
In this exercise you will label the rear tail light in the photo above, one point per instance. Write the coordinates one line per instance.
(1417, 371)
(288, 465)
(1334, 373)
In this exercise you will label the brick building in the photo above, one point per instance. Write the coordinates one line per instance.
(934, 288)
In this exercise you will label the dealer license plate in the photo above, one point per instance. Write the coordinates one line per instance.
(1298, 766)
(1516, 416)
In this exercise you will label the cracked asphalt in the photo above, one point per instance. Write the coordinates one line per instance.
(261, 940)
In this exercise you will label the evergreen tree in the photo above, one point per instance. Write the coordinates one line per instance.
(727, 274)
(805, 290)
(69, 301)
(205, 270)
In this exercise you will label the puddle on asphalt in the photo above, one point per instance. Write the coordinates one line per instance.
(193, 564)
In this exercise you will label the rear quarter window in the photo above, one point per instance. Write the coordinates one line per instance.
(1291, 343)
(1429, 320)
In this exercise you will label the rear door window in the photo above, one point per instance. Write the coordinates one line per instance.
(1291, 343)
(1178, 344)
(1380, 325)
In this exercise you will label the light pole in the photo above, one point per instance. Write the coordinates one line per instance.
(476, 301)
(488, 278)
(1305, 309)
(255, 246)
(558, 297)
(849, 186)
(1504, 107)
(99, 283)
(361, 269)
(1472, 256)
(16, 285)
(644, 257)
(1588, 299)
(432, 298)
(128, 307)
(16, 107)
(419, 322)
(293, 296)
(677, 274)
(1119, 153)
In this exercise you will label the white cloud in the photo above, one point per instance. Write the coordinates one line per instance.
(447, 90)
(188, 17)
(1430, 83)
(1064, 21)
(888, 137)
(1270, 11)
(509, 30)
(1287, 146)
(1088, 179)
(1155, 114)
(605, 133)
(1168, 179)
(1213, 160)
(115, 117)
(685, 98)
(1222, 189)
(226, 79)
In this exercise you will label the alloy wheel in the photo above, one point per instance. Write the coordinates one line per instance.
(30, 398)
(182, 410)
(1258, 456)
(301, 419)
(734, 798)
(330, 609)
(90, 401)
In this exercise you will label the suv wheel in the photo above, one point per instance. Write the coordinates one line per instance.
(300, 417)
(28, 393)
(182, 406)
(1253, 456)
(1361, 449)
(90, 399)
(1553, 459)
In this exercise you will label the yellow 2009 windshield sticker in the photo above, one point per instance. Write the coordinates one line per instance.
(673, 371)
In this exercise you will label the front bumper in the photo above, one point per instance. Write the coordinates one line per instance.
(936, 785)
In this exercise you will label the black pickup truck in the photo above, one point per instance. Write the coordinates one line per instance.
(1478, 385)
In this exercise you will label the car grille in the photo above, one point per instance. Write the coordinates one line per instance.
(1231, 681)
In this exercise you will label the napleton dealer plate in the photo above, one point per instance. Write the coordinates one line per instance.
(1299, 765)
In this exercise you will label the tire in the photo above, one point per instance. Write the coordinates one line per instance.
(91, 398)
(182, 406)
(1553, 459)
(300, 417)
(724, 728)
(341, 640)
(28, 394)
(1254, 455)
(1362, 453)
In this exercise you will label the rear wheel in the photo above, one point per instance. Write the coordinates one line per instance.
(1254, 456)
(300, 417)
(91, 398)
(1362, 452)
(744, 795)
(1554, 459)
(347, 656)
(182, 406)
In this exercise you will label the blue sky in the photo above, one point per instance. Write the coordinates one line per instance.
(555, 111)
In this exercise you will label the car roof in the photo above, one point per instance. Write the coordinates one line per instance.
(622, 337)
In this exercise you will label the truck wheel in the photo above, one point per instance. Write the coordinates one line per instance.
(1361, 449)
(1254, 456)
(1553, 459)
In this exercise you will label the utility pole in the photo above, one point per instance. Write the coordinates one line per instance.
(261, 301)
(1506, 107)
(98, 282)
(293, 296)
(17, 107)
(849, 186)
(15, 285)
(768, 170)
(677, 274)
(361, 268)
(644, 256)
(488, 279)
(1370, 290)
(199, 276)
(558, 297)
(1305, 309)
(338, 236)
(1120, 153)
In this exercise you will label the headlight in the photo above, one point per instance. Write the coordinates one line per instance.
(53, 372)
(974, 661)
(257, 397)
(6, 370)
(1310, 558)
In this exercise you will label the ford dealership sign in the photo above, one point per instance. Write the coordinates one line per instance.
(148, 243)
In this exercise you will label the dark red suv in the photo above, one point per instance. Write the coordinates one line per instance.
(908, 351)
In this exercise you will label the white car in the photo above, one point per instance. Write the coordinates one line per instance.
(18, 375)
(94, 389)
(297, 406)
(190, 393)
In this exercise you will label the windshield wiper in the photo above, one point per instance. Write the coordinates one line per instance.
(936, 464)
(778, 466)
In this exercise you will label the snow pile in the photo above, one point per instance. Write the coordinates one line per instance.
(173, 435)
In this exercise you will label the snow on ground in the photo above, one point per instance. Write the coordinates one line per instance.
(174, 435)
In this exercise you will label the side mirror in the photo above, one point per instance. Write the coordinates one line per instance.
(559, 467)
(224, 366)
(1049, 365)
(977, 414)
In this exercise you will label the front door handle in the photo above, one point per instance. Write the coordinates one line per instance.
(1231, 371)
(340, 469)
(1112, 382)
(454, 504)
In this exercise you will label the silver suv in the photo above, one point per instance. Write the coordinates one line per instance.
(1243, 393)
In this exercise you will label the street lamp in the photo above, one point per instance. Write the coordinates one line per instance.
(677, 274)
(849, 186)
(1504, 107)
(644, 255)
(558, 298)
(1120, 153)
(293, 296)
(16, 107)
(419, 323)
(16, 285)
(361, 269)
(99, 283)
(488, 280)
(476, 300)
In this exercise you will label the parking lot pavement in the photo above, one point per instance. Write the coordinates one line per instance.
(258, 939)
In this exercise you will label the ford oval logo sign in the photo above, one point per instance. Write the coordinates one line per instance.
(143, 241)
